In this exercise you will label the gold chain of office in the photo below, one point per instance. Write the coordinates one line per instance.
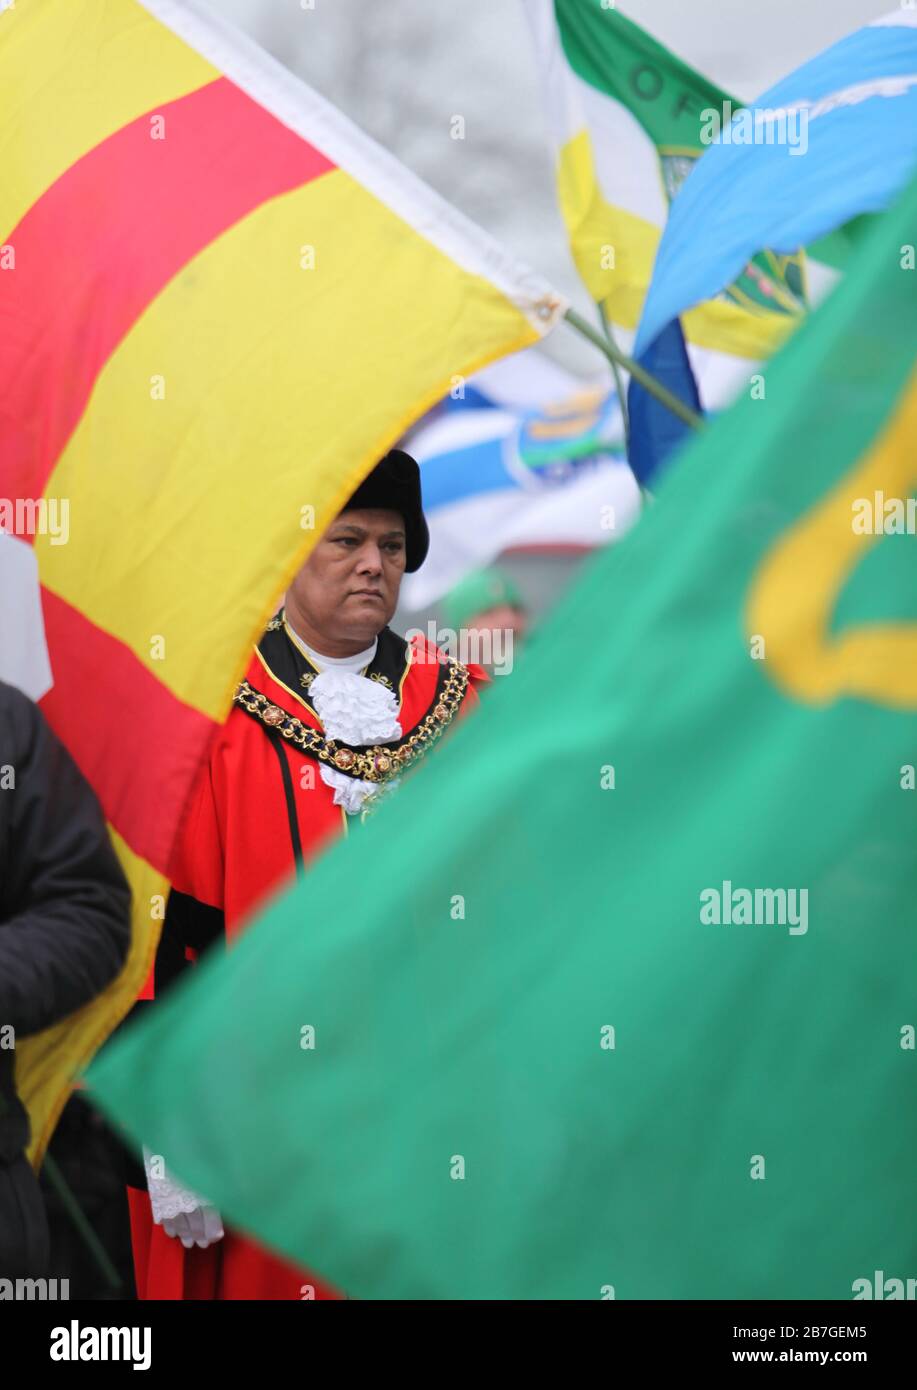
(377, 763)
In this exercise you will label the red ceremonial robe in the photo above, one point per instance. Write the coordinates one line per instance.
(260, 807)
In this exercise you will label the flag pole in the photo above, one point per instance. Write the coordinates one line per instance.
(84, 1230)
(615, 355)
(618, 375)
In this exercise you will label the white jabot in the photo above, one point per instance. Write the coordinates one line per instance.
(354, 710)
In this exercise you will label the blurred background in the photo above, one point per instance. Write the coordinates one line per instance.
(402, 70)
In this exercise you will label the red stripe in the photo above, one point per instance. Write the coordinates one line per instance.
(137, 744)
(105, 239)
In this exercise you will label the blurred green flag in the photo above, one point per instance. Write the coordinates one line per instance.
(616, 998)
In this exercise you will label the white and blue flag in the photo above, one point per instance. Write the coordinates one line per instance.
(517, 475)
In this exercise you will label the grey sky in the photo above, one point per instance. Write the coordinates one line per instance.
(402, 69)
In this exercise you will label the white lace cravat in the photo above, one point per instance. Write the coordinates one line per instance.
(354, 710)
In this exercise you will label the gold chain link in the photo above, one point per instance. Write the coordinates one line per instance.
(375, 764)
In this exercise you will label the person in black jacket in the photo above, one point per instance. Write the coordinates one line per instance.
(64, 935)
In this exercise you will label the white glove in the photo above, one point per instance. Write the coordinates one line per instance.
(202, 1226)
(179, 1210)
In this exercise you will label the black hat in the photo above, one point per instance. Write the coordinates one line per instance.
(394, 484)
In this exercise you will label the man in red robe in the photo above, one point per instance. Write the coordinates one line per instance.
(334, 708)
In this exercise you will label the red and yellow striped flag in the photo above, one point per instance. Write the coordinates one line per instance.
(220, 303)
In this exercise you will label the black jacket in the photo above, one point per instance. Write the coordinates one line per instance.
(64, 902)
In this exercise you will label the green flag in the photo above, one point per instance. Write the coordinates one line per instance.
(616, 998)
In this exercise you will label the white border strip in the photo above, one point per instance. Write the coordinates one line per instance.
(314, 119)
(566, 117)
(898, 19)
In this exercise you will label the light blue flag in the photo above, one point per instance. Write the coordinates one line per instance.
(834, 140)
(853, 113)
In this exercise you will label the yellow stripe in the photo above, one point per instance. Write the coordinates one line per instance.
(795, 590)
(186, 511)
(614, 252)
(716, 324)
(47, 1063)
(71, 73)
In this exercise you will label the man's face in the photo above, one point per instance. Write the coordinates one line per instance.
(347, 591)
